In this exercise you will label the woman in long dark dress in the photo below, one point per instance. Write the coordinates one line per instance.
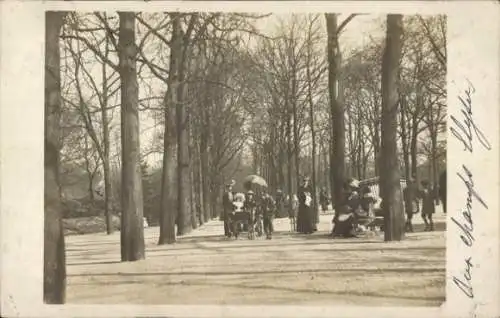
(345, 217)
(305, 218)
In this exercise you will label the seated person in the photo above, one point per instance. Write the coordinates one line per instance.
(239, 197)
(345, 219)
(366, 214)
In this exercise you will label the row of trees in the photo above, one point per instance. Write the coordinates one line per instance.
(220, 92)
(321, 113)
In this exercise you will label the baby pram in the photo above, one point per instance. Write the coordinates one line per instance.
(245, 221)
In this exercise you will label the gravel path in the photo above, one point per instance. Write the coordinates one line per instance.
(204, 268)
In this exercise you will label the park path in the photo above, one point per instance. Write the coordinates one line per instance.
(204, 268)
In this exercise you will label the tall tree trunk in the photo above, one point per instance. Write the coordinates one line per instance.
(54, 260)
(177, 84)
(289, 149)
(272, 158)
(204, 157)
(132, 230)
(326, 164)
(361, 150)
(105, 142)
(88, 169)
(337, 163)
(199, 190)
(415, 126)
(331, 171)
(313, 135)
(414, 149)
(406, 153)
(192, 165)
(197, 173)
(296, 146)
(313, 157)
(404, 137)
(167, 211)
(435, 175)
(205, 175)
(390, 188)
(376, 135)
(376, 150)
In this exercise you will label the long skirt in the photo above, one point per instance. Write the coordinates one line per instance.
(343, 225)
(305, 220)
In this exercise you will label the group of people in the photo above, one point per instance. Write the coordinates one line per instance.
(355, 212)
(358, 207)
(423, 200)
(262, 206)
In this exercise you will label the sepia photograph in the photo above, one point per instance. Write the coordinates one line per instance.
(282, 159)
(246, 159)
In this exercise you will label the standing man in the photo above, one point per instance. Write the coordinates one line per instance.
(227, 203)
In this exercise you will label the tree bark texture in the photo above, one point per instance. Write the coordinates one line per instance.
(106, 144)
(168, 209)
(54, 263)
(390, 188)
(132, 230)
(337, 163)
(183, 172)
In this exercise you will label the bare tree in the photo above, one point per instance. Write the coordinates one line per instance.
(103, 94)
(54, 269)
(315, 68)
(132, 231)
(337, 150)
(390, 188)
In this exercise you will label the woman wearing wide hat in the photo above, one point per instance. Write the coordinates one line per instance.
(345, 219)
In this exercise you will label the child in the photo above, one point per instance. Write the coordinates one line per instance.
(428, 207)
(268, 210)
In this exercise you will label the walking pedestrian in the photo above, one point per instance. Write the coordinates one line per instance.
(280, 203)
(410, 195)
(428, 207)
(323, 200)
(268, 210)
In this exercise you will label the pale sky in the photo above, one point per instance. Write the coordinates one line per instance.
(355, 35)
